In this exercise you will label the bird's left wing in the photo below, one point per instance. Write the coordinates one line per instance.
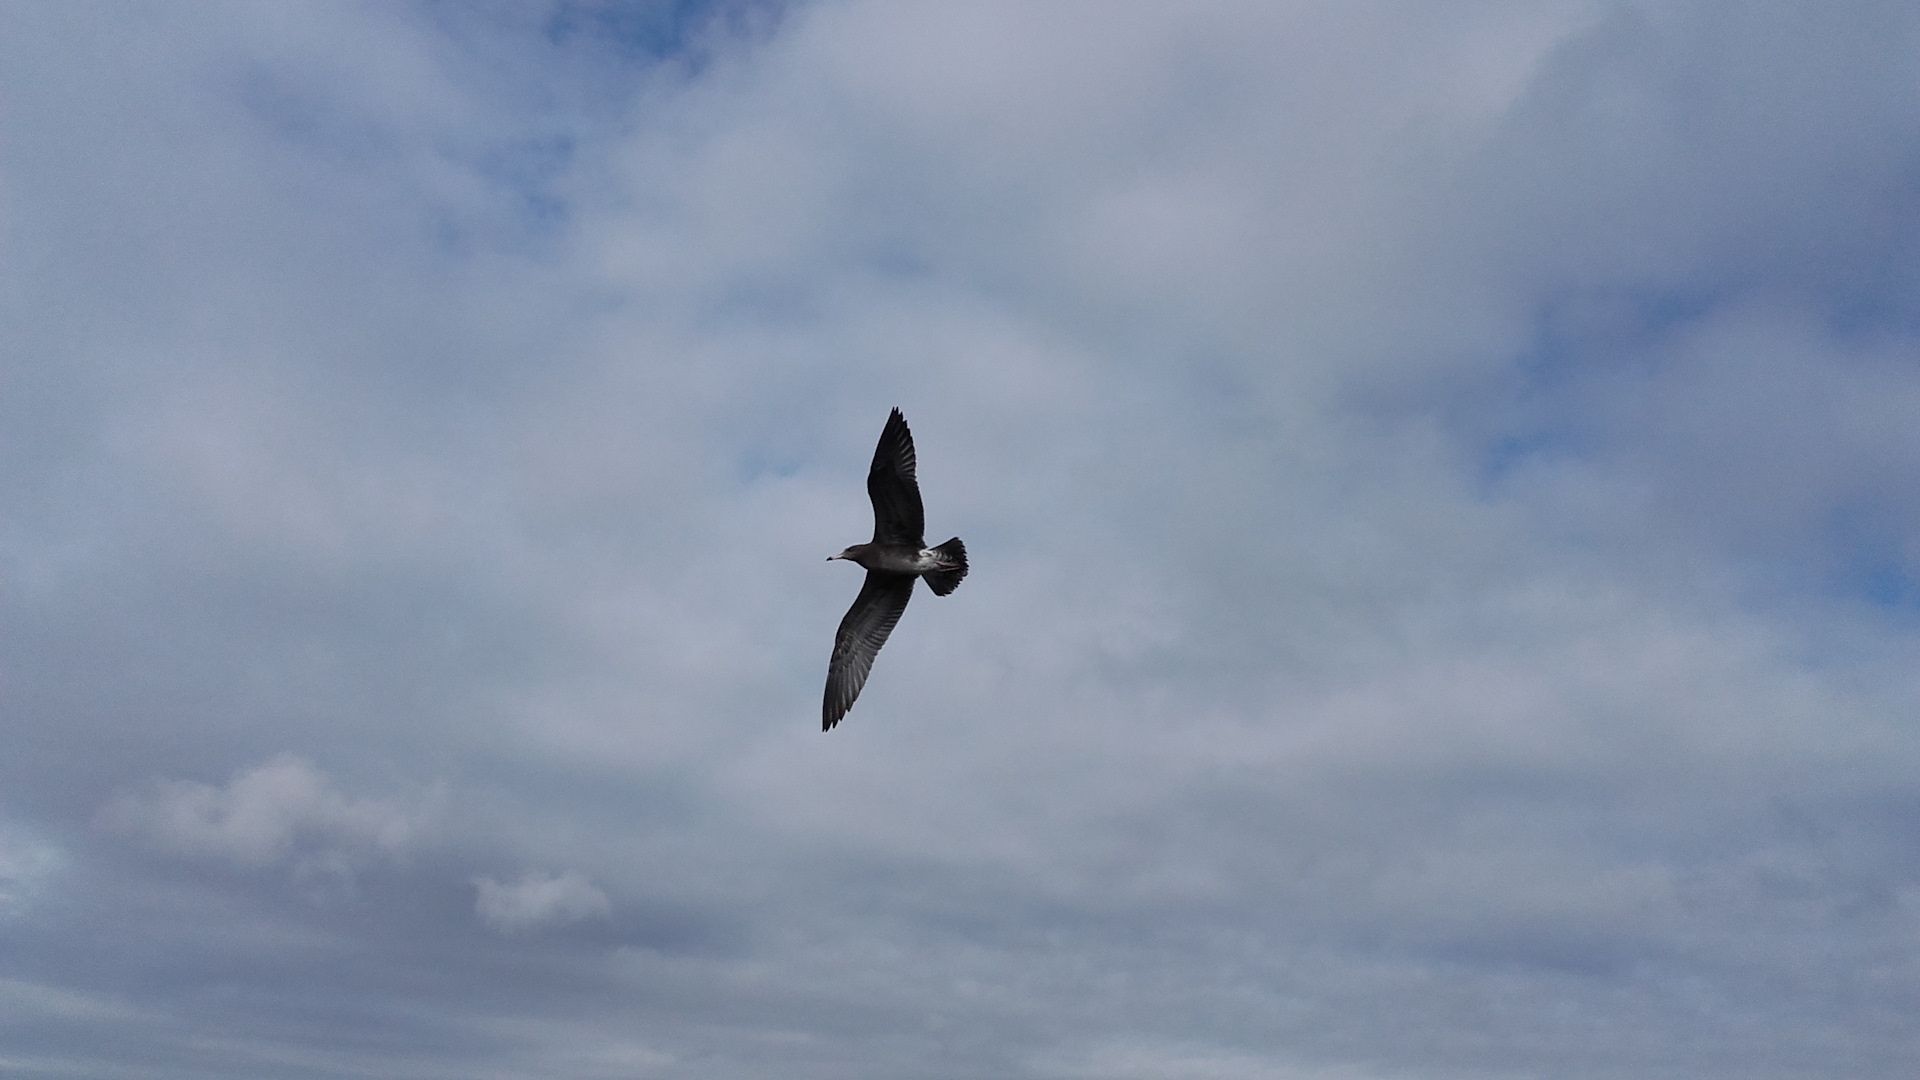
(897, 515)
(862, 632)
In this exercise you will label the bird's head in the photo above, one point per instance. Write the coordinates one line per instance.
(852, 554)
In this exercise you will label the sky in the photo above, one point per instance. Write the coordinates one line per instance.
(1442, 484)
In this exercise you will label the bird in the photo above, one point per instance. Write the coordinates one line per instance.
(897, 554)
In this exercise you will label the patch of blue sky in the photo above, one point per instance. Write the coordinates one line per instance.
(1579, 335)
(1611, 325)
(1871, 560)
(1892, 587)
(1501, 458)
(527, 171)
(1885, 301)
(656, 30)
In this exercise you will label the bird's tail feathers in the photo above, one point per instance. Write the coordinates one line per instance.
(953, 553)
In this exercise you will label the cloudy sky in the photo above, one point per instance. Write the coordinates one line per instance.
(1442, 482)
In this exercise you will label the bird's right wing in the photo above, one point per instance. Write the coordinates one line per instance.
(862, 632)
(897, 515)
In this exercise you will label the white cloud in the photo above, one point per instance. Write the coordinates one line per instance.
(284, 809)
(538, 900)
(1440, 479)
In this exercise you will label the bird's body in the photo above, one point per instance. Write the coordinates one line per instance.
(909, 559)
(896, 556)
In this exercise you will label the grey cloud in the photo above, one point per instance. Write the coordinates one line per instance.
(1437, 478)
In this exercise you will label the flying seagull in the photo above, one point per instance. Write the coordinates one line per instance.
(897, 554)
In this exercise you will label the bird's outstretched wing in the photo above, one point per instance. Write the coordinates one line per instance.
(897, 515)
(862, 632)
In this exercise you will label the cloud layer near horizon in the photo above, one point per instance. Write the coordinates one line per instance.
(1441, 482)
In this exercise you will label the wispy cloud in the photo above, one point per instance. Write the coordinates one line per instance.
(26, 864)
(538, 900)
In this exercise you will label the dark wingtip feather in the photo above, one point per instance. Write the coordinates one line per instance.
(895, 449)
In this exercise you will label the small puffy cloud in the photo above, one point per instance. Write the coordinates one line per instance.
(538, 900)
(283, 809)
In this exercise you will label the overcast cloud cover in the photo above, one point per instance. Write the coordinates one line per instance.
(1442, 480)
